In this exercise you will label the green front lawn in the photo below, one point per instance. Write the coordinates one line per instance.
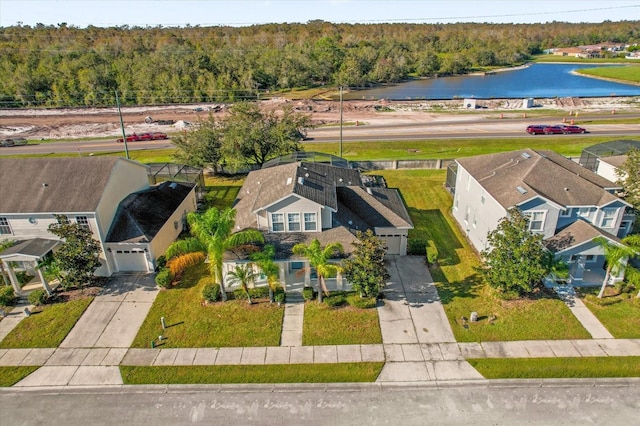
(461, 288)
(47, 326)
(9, 376)
(344, 325)
(550, 368)
(289, 373)
(223, 324)
(620, 315)
(627, 73)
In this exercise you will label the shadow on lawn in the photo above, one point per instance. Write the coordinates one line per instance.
(467, 288)
(431, 225)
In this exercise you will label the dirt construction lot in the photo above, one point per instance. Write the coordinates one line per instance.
(104, 122)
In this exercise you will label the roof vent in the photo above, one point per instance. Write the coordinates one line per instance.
(525, 155)
(521, 190)
(173, 185)
(306, 175)
(301, 180)
(45, 184)
(566, 189)
(350, 222)
(369, 190)
(289, 180)
(340, 180)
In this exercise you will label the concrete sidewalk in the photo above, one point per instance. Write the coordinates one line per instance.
(582, 313)
(11, 320)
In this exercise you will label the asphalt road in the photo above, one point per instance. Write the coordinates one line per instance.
(568, 402)
(455, 128)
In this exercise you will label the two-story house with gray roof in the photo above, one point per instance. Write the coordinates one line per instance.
(299, 201)
(566, 203)
(133, 222)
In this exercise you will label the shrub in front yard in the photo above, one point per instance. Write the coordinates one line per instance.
(254, 293)
(335, 300)
(37, 297)
(361, 302)
(308, 293)
(164, 278)
(416, 247)
(211, 292)
(7, 296)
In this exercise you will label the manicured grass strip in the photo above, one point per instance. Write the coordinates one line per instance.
(324, 325)
(290, 373)
(461, 288)
(549, 368)
(621, 317)
(9, 376)
(192, 325)
(628, 74)
(46, 328)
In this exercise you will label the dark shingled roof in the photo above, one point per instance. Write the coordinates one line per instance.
(538, 172)
(579, 232)
(377, 207)
(36, 247)
(142, 214)
(42, 185)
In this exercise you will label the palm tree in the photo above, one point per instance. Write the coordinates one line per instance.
(213, 236)
(319, 259)
(264, 260)
(243, 275)
(616, 255)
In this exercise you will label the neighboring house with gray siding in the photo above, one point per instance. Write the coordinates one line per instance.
(564, 202)
(98, 193)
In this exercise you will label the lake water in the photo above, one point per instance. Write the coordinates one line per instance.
(535, 81)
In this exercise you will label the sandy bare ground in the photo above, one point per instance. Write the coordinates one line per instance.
(104, 122)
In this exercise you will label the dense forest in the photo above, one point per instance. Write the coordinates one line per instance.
(59, 66)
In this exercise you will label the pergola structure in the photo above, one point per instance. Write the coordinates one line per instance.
(30, 251)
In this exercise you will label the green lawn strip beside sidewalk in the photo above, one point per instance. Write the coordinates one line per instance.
(460, 287)
(190, 324)
(47, 326)
(344, 325)
(549, 368)
(9, 376)
(619, 315)
(272, 373)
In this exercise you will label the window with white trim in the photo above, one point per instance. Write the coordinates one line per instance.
(83, 221)
(294, 222)
(5, 228)
(608, 218)
(536, 220)
(310, 222)
(565, 212)
(585, 212)
(277, 222)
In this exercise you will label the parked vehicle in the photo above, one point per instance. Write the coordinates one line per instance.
(145, 136)
(572, 129)
(13, 142)
(536, 129)
(130, 138)
(553, 130)
(159, 135)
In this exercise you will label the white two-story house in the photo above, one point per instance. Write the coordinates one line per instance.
(566, 203)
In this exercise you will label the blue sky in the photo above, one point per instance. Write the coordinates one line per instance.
(248, 12)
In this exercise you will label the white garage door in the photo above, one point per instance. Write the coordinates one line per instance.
(131, 260)
(393, 243)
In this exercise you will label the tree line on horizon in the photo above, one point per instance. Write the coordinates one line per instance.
(63, 66)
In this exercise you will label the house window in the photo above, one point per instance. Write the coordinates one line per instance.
(294, 221)
(83, 221)
(565, 213)
(466, 215)
(310, 223)
(585, 212)
(536, 221)
(590, 258)
(482, 199)
(277, 222)
(608, 218)
(4, 226)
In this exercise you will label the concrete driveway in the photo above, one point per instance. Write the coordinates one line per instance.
(412, 312)
(114, 317)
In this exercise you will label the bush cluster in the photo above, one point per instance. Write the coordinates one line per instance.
(361, 302)
(308, 293)
(255, 293)
(334, 300)
(211, 292)
(279, 295)
(416, 247)
(7, 296)
(164, 278)
(37, 297)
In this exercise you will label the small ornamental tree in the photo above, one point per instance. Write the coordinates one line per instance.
(78, 256)
(516, 261)
(629, 177)
(366, 271)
